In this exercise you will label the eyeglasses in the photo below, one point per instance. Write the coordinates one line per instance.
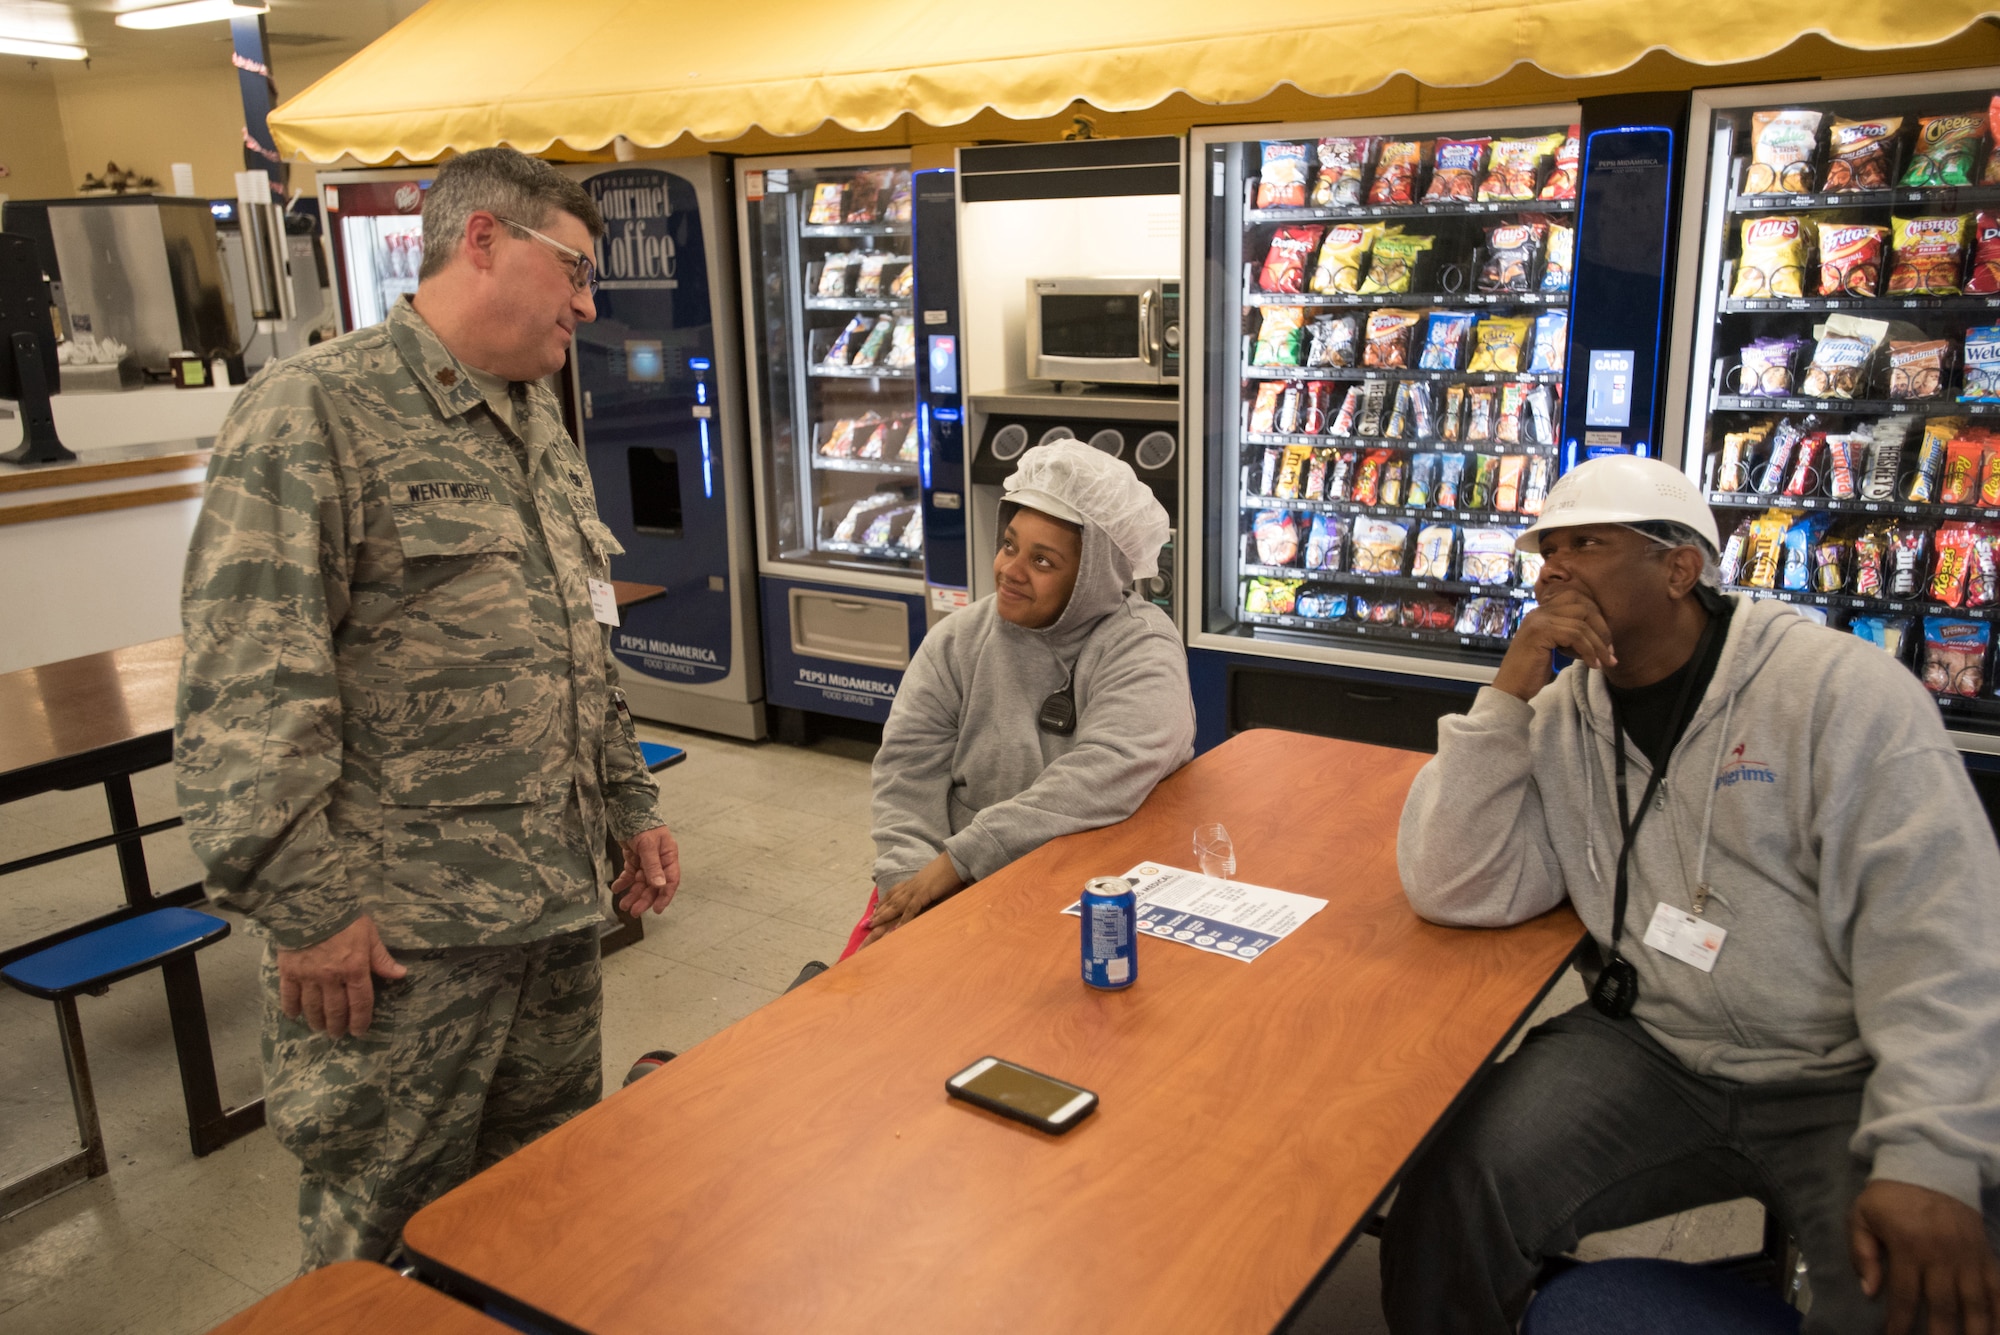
(582, 269)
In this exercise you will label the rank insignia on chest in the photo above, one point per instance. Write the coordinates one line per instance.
(447, 377)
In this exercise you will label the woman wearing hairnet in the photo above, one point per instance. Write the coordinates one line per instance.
(1054, 705)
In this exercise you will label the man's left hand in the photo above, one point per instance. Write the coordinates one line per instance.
(1930, 1249)
(652, 872)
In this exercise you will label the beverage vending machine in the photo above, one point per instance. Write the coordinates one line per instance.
(374, 227)
(1840, 321)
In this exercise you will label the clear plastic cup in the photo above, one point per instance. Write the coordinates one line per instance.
(1213, 851)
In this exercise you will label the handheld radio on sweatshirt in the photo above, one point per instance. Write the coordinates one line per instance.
(1058, 714)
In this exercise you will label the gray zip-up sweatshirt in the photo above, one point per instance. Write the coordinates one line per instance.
(965, 769)
(1815, 791)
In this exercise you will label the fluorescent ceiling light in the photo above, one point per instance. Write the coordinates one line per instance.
(192, 11)
(21, 46)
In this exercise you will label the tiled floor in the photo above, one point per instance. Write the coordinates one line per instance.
(775, 850)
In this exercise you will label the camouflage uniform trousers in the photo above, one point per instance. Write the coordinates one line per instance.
(473, 1054)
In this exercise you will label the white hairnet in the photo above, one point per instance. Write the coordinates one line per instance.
(1073, 481)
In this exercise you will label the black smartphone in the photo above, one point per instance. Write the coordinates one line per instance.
(1043, 1102)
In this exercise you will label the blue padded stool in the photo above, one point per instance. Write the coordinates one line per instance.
(1643, 1296)
(658, 755)
(92, 960)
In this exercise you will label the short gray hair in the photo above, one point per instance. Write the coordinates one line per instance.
(1670, 534)
(506, 183)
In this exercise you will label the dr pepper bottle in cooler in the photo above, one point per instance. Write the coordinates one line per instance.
(1110, 913)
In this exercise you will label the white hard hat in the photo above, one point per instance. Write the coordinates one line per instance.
(1623, 489)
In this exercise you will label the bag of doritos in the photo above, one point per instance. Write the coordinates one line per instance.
(1285, 264)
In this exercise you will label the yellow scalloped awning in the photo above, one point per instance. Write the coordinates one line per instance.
(461, 74)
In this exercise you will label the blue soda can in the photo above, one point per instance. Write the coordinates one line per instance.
(1110, 914)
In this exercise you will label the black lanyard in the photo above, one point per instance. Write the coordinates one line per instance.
(1617, 987)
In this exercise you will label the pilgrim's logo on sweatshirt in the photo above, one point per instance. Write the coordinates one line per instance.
(1741, 769)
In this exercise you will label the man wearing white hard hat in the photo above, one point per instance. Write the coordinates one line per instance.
(1050, 706)
(1794, 900)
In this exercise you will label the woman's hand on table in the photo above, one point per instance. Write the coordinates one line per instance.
(899, 904)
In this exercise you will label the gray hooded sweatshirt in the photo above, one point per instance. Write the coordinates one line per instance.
(1815, 791)
(964, 768)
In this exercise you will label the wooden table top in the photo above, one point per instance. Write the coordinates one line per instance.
(626, 592)
(804, 1170)
(64, 709)
(358, 1298)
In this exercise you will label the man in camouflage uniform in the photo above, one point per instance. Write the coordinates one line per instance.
(401, 739)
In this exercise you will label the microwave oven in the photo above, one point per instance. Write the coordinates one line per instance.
(1111, 331)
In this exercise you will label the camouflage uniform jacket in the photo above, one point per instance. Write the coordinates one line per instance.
(396, 700)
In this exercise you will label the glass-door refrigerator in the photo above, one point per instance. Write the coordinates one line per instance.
(1841, 260)
(1377, 345)
(375, 229)
(837, 438)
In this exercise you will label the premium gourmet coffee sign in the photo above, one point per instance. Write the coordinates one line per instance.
(640, 247)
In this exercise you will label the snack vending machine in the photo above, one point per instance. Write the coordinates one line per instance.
(1378, 347)
(659, 414)
(837, 437)
(1843, 261)
(375, 229)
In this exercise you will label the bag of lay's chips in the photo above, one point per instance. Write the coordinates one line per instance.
(1499, 343)
(1774, 258)
(1515, 167)
(1344, 254)
(1946, 149)
(1928, 255)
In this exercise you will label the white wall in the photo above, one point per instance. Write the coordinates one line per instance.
(1004, 243)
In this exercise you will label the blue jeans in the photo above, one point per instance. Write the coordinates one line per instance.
(1593, 1126)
